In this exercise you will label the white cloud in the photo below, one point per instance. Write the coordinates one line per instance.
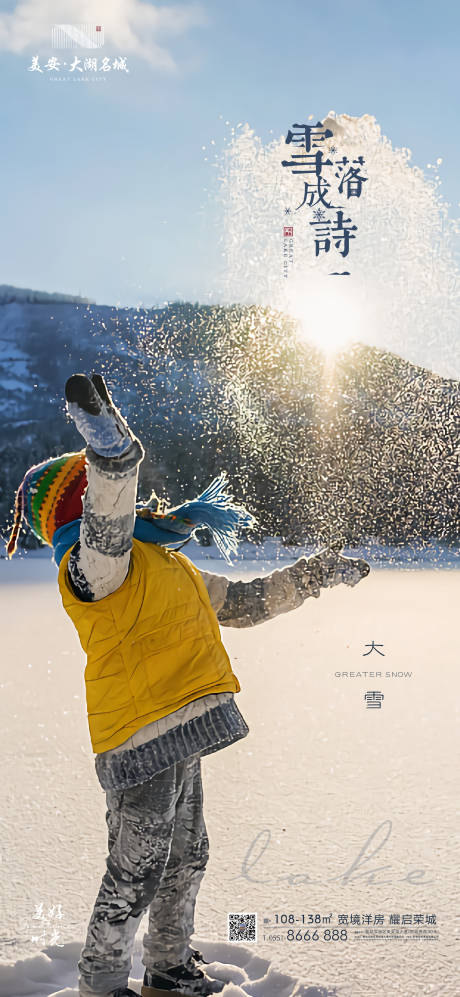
(132, 27)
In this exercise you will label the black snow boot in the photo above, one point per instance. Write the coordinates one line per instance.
(199, 957)
(186, 979)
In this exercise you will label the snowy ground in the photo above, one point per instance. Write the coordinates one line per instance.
(288, 809)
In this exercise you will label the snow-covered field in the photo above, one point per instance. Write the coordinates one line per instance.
(289, 809)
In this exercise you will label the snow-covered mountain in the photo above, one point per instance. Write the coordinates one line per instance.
(364, 446)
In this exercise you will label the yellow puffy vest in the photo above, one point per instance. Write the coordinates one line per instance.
(152, 646)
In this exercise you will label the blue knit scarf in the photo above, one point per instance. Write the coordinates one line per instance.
(214, 508)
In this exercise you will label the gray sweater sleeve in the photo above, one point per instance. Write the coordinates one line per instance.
(99, 562)
(244, 604)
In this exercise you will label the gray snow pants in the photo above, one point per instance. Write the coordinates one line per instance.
(158, 850)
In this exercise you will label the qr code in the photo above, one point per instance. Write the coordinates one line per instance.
(242, 927)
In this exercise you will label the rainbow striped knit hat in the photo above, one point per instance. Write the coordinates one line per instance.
(50, 499)
(49, 496)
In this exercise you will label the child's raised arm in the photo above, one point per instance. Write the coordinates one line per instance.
(244, 604)
(99, 561)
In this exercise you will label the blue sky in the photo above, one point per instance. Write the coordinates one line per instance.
(104, 184)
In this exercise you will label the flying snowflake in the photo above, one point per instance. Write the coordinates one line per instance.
(319, 214)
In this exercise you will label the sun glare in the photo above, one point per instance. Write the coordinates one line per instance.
(327, 311)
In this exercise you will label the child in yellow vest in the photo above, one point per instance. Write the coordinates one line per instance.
(159, 684)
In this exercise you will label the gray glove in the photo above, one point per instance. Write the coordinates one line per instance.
(336, 569)
(96, 417)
